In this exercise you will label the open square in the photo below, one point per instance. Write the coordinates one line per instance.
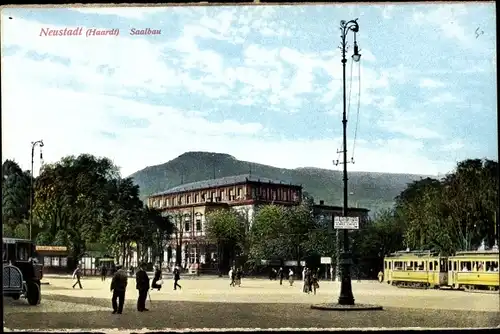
(209, 302)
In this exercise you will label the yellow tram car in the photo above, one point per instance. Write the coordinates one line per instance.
(474, 270)
(426, 269)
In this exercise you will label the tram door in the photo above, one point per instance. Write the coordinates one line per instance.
(443, 271)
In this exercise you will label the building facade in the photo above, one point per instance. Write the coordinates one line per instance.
(188, 204)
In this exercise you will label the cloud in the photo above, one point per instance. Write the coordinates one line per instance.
(442, 98)
(139, 13)
(430, 83)
(229, 79)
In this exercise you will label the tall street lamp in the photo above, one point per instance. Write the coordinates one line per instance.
(33, 145)
(346, 297)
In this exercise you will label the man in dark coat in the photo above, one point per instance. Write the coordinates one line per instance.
(157, 278)
(118, 286)
(103, 272)
(142, 284)
(281, 274)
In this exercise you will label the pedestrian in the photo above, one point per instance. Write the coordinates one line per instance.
(380, 276)
(281, 274)
(304, 273)
(290, 277)
(103, 273)
(118, 287)
(314, 282)
(232, 277)
(142, 285)
(177, 277)
(239, 274)
(77, 274)
(157, 281)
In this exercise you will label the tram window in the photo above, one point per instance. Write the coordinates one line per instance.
(454, 265)
(466, 266)
(389, 265)
(443, 268)
(385, 264)
(421, 266)
(449, 264)
(431, 266)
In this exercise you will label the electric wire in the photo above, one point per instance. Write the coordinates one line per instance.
(357, 113)
(348, 107)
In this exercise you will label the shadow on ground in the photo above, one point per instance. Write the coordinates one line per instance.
(175, 314)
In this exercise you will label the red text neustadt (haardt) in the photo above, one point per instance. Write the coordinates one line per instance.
(89, 32)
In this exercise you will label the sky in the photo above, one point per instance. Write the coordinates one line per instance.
(261, 83)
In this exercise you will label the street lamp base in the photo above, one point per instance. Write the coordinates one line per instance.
(353, 307)
(348, 300)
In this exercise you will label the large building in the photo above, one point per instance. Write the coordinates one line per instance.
(188, 205)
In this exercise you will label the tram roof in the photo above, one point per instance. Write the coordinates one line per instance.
(481, 252)
(414, 253)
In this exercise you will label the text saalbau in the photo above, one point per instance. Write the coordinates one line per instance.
(95, 32)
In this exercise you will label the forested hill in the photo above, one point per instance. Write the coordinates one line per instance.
(371, 190)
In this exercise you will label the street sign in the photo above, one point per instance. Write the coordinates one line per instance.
(346, 223)
(326, 260)
(290, 263)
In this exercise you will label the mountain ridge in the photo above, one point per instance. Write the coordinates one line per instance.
(371, 190)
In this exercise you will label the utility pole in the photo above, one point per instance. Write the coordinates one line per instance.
(346, 296)
(33, 145)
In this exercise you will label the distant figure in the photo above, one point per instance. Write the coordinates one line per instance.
(177, 277)
(281, 274)
(314, 282)
(232, 277)
(77, 274)
(273, 274)
(142, 285)
(304, 273)
(239, 274)
(307, 281)
(157, 281)
(331, 272)
(118, 287)
(103, 272)
(290, 277)
(380, 276)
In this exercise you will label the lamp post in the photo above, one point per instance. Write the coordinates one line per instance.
(33, 145)
(346, 297)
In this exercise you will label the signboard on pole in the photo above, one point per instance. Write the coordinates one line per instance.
(326, 260)
(346, 223)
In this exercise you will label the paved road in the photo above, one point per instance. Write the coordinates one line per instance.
(257, 303)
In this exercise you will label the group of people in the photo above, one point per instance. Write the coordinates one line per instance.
(120, 281)
(235, 276)
(311, 280)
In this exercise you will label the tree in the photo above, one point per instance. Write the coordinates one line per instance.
(158, 229)
(72, 196)
(178, 220)
(226, 228)
(16, 185)
(266, 234)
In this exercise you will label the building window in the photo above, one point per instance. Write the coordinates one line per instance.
(222, 195)
(239, 192)
(254, 193)
(47, 261)
(198, 224)
(274, 195)
(213, 195)
(196, 198)
(188, 199)
(64, 262)
(203, 197)
(55, 262)
(186, 226)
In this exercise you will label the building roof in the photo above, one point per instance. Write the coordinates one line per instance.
(223, 181)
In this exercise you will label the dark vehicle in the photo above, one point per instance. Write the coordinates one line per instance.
(21, 270)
